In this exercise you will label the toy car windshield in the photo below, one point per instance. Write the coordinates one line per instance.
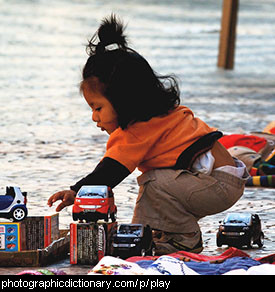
(237, 218)
(131, 229)
(94, 192)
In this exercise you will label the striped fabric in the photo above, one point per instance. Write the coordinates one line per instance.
(263, 181)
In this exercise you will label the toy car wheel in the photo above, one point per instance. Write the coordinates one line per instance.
(143, 252)
(18, 214)
(75, 216)
(260, 241)
(250, 243)
(107, 216)
(219, 242)
(113, 217)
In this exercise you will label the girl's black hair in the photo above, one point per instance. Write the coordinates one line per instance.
(129, 82)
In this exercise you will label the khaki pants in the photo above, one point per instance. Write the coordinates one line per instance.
(174, 200)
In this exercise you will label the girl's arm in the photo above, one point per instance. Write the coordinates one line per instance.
(108, 172)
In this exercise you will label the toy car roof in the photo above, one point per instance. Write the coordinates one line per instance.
(93, 190)
(130, 228)
(131, 224)
(103, 187)
(10, 191)
(238, 217)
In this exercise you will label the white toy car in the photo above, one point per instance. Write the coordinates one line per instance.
(13, 204)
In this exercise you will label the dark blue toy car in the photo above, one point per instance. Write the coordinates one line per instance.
(133, 240)
(240, 229)
(13, 204)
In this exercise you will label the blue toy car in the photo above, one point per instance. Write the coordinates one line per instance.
(133, 240)
(13, 204)
(240, 229)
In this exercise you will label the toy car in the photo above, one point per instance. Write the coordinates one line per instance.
(132, 240)
(93, 203)
(240, 229)
(13, 204)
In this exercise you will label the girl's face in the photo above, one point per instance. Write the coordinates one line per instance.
(104, 114)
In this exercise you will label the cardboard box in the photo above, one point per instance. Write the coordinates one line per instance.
(89, 242)
(41, 231)
(35, 232)
(56, 251)
(12, 237)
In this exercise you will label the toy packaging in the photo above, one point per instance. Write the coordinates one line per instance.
(11, 237)
(35, 232)
(89, 242)
(41, 231)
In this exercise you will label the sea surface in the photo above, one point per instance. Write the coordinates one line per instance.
(47, 138)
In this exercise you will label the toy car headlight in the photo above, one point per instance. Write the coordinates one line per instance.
(136, 240)
(245, 228)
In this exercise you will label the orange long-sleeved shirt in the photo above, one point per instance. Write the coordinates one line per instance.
(156, 143)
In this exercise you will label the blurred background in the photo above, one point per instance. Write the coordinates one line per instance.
(47, 139)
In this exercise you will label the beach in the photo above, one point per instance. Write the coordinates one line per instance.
(47, 138)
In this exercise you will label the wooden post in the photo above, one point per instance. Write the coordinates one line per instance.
(228, 34)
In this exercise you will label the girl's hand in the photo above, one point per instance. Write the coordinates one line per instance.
(67, 197)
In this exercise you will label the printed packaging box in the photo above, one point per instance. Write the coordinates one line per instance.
(35, 232)
(11, 237)
(89, 242)
(40, 231)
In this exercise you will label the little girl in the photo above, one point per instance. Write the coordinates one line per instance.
(186, 173)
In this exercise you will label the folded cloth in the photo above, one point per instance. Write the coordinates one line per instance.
(266, 169)
(270, 143)
(261, 181)
(109, 265)
(49, 272)
(171, 266)
(207, 268)
(167, 265)
(248, 156)
(264, 269)
(250, 141)
(270, 159)
(164, 265)
(270, 128)
(232, 262)
(187, 256)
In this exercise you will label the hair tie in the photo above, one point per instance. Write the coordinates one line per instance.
(112, 47)
(101, 47)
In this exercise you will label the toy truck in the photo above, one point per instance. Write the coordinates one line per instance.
(240, 229)
(133, 240)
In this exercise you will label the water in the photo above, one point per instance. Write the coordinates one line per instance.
(47, 140)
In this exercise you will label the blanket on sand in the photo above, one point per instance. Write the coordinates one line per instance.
(231, 262)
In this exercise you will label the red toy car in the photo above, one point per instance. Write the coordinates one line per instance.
(93, 203)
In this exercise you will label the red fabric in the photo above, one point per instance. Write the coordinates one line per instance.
(269, 259)
(250, 141)
(183, 255)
